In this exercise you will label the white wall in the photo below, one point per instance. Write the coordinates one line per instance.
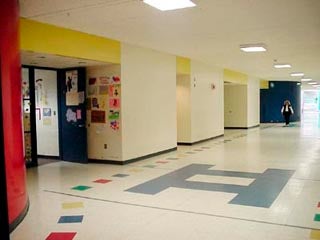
(235, 105)
(100, 134)
(253, 101)
(207, 107)
(148, 101)
(184, 108)
(47, 126)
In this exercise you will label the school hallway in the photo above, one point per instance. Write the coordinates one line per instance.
(261, 183)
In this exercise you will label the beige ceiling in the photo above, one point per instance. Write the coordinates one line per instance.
(210, 32)
(55, 61)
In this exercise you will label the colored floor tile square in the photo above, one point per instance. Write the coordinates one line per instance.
(172, 158)
(319, 205)
(81, 188)
(71, 219)
(120, 175)
(317, 218)
(163, 162)
(315, 235)
(103, 181)
(72, 205)
(61, 236)
(150, 166)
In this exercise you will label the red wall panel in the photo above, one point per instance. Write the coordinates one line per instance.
(12, 111)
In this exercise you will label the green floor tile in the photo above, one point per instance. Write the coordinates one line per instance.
(81, 188)
(317, 218)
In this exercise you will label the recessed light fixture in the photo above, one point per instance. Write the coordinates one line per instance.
(306, 79)
(259, 47)
(297, 74)
(282, 65)
(166, 5)
(312, 83)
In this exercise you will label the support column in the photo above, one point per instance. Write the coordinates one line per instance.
(12, 112)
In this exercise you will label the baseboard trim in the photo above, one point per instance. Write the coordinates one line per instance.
(19, 219)
(197, 142)
(49, 157)
(243, 127)
(106, 161)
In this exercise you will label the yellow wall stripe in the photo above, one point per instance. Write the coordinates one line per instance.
(234, 77)
(264, 84)
(45, 38)
(183, 65)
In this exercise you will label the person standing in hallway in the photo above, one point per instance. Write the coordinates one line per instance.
(287, 111)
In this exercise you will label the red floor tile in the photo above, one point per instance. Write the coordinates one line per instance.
(61, 236)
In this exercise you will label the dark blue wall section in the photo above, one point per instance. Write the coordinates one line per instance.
(271, 101)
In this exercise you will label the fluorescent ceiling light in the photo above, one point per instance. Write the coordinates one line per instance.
(306, 79)
(297, 74)
(312, 83)
(253, 47)
(165, 5)
(316, 85)
(282, 65)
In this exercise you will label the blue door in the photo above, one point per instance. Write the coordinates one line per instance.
(73, 133)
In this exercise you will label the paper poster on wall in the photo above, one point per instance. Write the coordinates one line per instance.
(40, 93)
(71, 115)
(116, 79)
(72, 98)
(26, 106)
(89, 103)
(98, 116)
(104, 80)
(92, 81)
(46, 112)
(115, 125)
(72, 81)
(114, 103)
(114, 90)
(81, 97)
(25, 89)
(47, 121)
(79, 114)
(92, 90)
(95, 102)
(103, 102)
(114, 115)
(103, 90)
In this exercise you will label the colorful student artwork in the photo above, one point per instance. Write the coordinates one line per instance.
(72, 98)
(71, 115)
(79, 115)
(114, 102)
(92, 81)
(116, 79)
(98, 116)
(104, 80)
(72, 81)
(25, 89)
(103, 90)
(92, 90)
(95, 102)
(115, 125)
(114, 115)
(114, 90)
(46, 112)
(47, 121)
(103, 102)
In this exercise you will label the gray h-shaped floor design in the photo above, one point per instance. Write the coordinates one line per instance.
(260, 193)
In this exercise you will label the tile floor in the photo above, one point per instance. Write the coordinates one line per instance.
(194, 204)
